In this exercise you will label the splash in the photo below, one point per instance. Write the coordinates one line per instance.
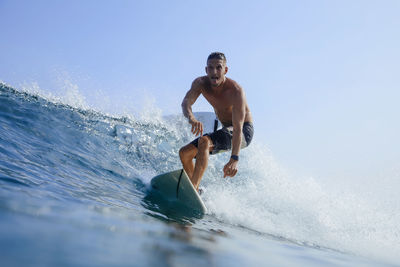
(263, 197)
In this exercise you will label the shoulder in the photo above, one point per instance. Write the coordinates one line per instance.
(199, 81)
(234, 87)
(198, 86)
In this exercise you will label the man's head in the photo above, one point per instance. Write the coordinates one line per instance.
(216, 68)
(217, 55)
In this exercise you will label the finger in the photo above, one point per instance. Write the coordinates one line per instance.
(197, 130)
(225, 168)
(200, 127)
(234, 173)
(193, 128)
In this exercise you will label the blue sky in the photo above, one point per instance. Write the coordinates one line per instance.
(321, 77)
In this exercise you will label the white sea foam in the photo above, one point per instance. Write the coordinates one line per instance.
(70, 94)
(265, 198)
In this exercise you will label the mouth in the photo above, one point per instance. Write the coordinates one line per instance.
(214, 78)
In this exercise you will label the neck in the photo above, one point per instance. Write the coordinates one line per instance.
(220, 85)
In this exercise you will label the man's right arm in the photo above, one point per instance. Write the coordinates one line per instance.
(189, 99)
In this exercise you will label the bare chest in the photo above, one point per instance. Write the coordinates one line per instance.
(218, 100)
(222, 104)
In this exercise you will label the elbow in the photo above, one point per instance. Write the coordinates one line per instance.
(183, 104)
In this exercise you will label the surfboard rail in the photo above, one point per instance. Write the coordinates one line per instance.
(175, 186)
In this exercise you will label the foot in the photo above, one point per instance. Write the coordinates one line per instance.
(200, 191)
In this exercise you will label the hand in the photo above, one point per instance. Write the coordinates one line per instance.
(197, 127)
(230, 168)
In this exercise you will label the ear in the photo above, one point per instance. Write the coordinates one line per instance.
(226, 69)
(205, 69)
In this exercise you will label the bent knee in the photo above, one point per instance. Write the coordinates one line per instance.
(204, 142)
(182, 152)
(187, 152)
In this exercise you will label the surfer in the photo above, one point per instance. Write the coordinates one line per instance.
(229, 102)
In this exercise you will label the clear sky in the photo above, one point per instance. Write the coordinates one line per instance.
(321, 77)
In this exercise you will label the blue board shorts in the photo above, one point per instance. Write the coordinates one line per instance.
(222, 139)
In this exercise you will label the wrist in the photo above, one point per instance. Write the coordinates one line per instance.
(192, 119)
(235, 157)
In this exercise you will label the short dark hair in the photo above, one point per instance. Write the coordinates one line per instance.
(217, 55)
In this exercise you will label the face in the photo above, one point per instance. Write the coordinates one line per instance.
(216, 70)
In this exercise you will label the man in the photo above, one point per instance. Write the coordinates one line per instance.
(230, 105)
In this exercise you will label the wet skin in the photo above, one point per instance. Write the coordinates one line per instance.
(229, 102)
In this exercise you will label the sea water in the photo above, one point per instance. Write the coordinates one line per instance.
(73, 182)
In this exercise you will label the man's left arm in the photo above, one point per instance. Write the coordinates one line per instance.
(238, 116)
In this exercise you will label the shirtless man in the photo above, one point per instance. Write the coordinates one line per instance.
(230, 105)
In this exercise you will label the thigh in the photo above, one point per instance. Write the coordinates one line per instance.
(189, 150)
(206, 140)
(195, 144)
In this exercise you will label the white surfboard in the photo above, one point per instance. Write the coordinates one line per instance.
(176, 186)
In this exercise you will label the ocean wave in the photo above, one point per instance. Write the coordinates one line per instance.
(51, 150)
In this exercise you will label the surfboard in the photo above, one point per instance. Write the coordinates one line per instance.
(172, 193)
(176, 187)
